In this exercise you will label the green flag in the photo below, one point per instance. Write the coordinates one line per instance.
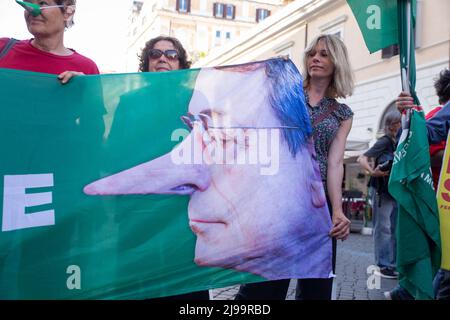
(411, 184)
(377, 20)
(387, 22)
(107, 194)
(383, 23)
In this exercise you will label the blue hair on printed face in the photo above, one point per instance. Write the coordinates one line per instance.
(288, 102)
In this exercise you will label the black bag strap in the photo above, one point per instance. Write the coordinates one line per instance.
(11, 42)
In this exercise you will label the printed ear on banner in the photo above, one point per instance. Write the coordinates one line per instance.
(16, 200)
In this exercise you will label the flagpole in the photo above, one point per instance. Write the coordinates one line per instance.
(406, 66)
(406, 84)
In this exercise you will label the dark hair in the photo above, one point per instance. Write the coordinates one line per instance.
(63, 10)
(442, 86)
(66, 2)
(143, 57)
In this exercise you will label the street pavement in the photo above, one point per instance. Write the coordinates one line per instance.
(354, 281)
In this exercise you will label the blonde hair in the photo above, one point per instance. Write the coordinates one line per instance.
(342, 83)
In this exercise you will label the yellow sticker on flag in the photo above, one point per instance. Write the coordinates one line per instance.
(443, 200)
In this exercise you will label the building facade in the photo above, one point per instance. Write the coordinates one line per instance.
(377, 75)
(200, 25)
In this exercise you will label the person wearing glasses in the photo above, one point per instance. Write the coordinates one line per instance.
(46, 52)
(160, 54)
(267, 216)
(163, 54)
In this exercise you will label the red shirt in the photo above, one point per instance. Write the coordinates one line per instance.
(434, 148)
(23, 56)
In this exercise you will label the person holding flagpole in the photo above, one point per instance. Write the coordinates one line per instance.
(410, 182)
(437, 127)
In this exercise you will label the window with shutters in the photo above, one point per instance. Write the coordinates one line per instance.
(230, 11)
(262, 14)
(183, 6)
(219, 10)
(390, 51)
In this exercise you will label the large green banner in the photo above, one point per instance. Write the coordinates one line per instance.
(132, 186)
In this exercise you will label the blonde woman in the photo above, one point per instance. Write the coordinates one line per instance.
(327, 77)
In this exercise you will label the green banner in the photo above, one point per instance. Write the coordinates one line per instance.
(107, 194)
(411, 184)
(377, 20)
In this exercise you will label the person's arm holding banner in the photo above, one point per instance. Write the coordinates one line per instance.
(335, 174)
(67, 75)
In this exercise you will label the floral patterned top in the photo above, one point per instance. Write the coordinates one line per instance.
(325, 131)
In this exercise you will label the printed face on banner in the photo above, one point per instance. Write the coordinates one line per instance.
(257, 202)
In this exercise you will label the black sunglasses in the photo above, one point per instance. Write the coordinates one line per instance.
(169, 54)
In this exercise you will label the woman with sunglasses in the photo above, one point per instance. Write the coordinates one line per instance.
(46, 53)
(163, 54)
(160, 54)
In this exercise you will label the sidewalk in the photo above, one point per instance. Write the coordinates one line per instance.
(354, 256)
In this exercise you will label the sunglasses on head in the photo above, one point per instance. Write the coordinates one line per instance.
(169, 54)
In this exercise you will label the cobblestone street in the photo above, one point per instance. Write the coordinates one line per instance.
(354, 256)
